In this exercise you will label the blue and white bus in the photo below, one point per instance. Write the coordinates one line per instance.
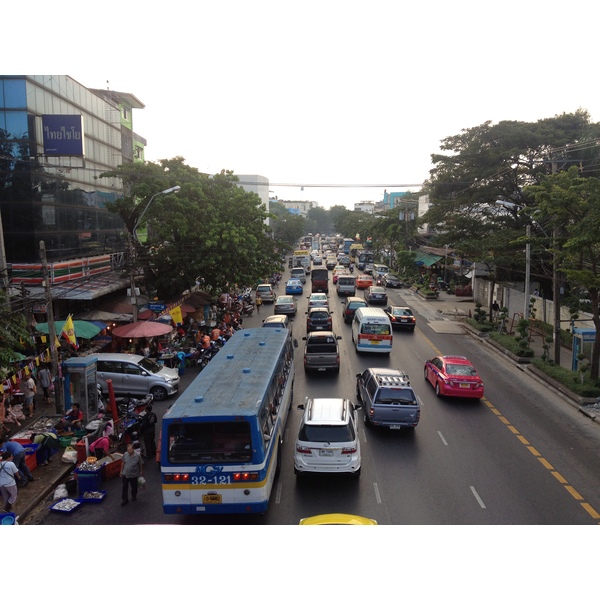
(221, 440)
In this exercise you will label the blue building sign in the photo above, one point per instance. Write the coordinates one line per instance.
(63, 135)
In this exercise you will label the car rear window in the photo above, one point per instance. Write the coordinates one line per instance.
(319, 348)
(326, 433)
(355, 305)
(396, 396)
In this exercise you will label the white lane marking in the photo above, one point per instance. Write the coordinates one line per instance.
(442, 438)
(377, 495)
(477, 497)
(278, 494)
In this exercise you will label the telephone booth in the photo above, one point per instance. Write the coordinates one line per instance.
(582, 343)
(80, 384)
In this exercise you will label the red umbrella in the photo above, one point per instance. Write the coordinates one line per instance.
(142, 329)
(146, 314)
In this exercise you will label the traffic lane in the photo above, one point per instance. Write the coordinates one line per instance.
(504, 381)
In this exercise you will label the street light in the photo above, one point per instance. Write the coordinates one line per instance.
(519, 207)
(133, 235)
(171, 190)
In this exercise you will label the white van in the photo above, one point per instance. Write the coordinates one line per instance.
(372, 330)
(380, 269)
(136, 375)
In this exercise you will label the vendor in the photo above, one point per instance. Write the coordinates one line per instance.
(73, 418)
(101, 447)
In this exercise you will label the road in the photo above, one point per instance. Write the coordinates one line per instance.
(521, 455)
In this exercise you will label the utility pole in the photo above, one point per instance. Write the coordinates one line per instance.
(132, 287)
(58, 391)
(556, 295)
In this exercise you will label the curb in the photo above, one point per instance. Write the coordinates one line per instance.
(524, 364)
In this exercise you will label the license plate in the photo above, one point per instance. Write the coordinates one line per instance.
(321, 369)
(374, 342)
(325, 452)
(395, 427)
(465, 385)
(211, 499)
(404, 320)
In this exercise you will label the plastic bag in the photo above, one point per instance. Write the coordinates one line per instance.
(61, 492)
(141, 483)
(69, 455)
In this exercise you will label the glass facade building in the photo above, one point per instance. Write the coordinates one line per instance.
(60, 197)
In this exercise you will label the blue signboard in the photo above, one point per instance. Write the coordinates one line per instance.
(156, 307)
(63, 135)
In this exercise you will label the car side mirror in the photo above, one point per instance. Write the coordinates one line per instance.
(295, 343)
(300, 407)
(338, 337)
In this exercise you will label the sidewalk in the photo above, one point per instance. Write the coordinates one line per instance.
(47, 478)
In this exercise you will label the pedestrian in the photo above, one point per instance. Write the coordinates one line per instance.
(9, 475)
(132, 467)
(495, 309)
(18, 458)
(47, 442)
(258, 303)
(101, 446)
(45, 382)
(30, 391)
(148, 429)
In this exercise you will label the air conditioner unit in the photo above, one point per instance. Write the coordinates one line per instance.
(137, 291)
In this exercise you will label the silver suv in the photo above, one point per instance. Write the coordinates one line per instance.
(327, 440)
(266, 293)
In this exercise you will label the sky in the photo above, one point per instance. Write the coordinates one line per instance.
(331, 101)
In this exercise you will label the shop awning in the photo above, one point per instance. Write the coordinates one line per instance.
(82, 289)
(83, 329)
(422, 259)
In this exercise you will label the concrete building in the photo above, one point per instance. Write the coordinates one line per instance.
(257, 184)
(57, 137)
(298, 207)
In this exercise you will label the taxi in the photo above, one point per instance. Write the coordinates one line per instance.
(364, 281)
(453, 376)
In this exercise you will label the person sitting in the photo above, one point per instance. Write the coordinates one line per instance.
(73, 419)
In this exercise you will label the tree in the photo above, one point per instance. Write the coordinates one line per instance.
(14, 335)
(287, 227)
(212, 229)
(490, 162)
(572, 202)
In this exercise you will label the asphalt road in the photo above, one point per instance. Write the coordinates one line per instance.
(519, 456)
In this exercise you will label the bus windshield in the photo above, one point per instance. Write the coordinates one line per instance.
(207, 442)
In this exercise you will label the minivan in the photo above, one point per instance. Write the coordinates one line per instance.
(136, 375)
(298, 273)
(346, 285)
(372, 330)
(379, 269)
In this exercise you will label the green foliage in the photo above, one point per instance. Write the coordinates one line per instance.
(586, 388)
(14, 334)
(511, 343)
(212, 228)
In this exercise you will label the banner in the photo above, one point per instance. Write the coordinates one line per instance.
(68, 332)
(176, 315)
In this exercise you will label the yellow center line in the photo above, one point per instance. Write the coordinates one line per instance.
(588, 508)
(574, 493)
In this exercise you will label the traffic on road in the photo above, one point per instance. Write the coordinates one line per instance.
(505, 453)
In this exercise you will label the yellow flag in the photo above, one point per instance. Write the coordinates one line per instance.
(176, 315)
(68, 332)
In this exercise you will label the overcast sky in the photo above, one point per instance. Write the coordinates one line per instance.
(327, 93)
